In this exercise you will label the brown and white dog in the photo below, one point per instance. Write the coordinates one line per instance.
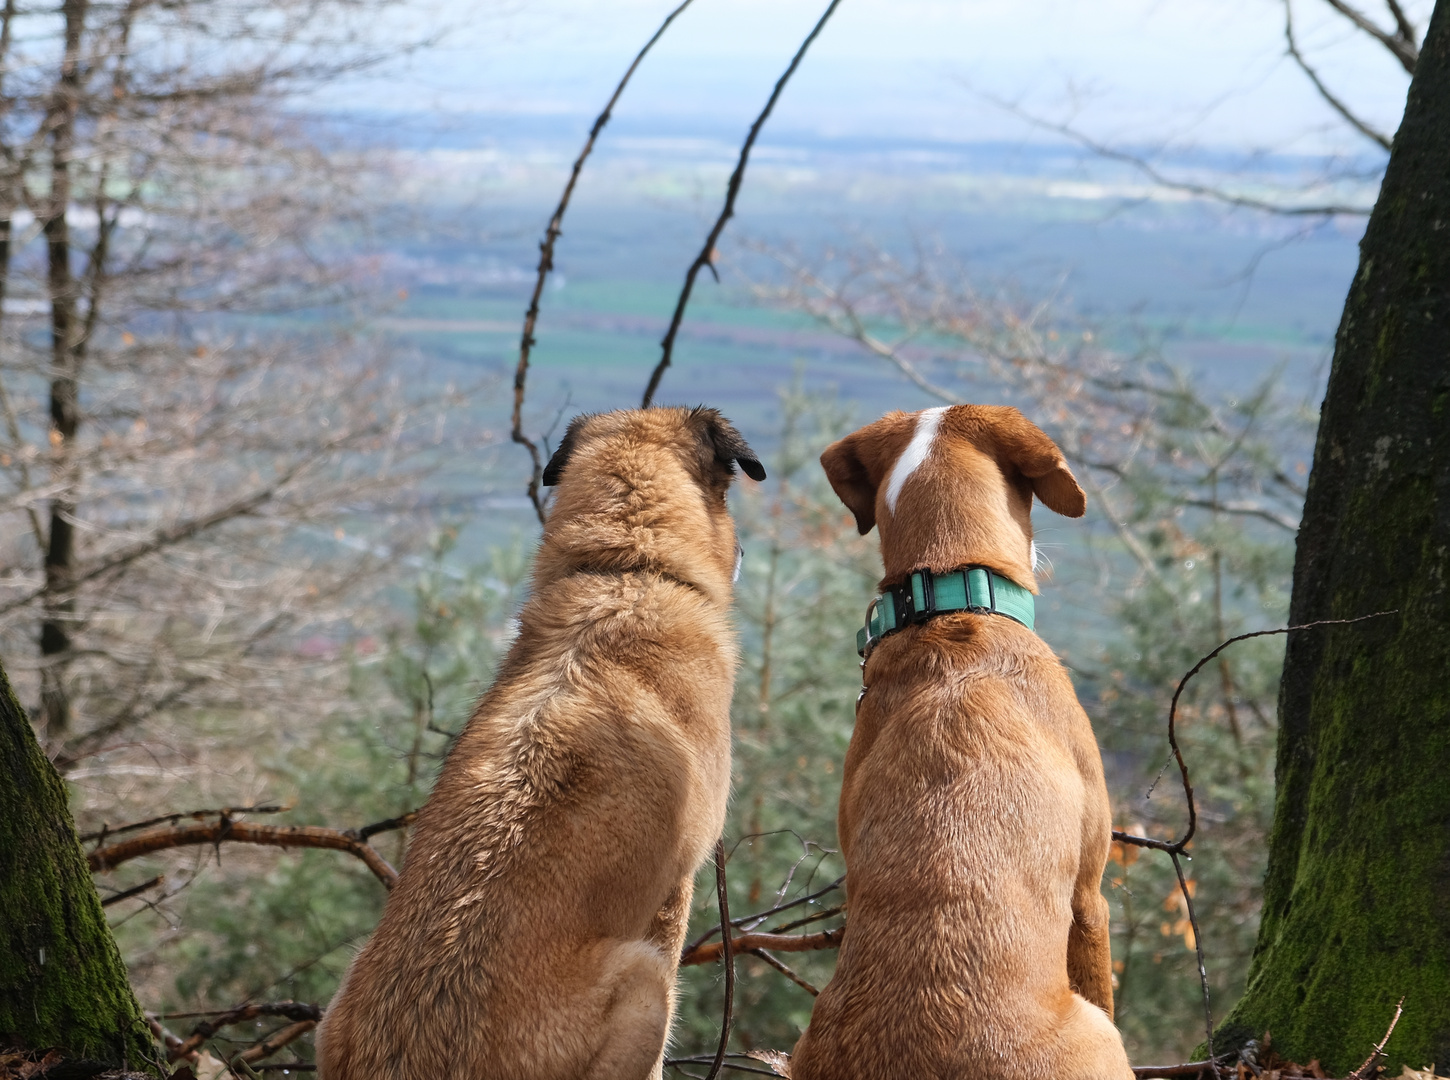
(974, 819)
(535, 930)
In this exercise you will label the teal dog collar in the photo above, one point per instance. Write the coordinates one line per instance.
(970, 588)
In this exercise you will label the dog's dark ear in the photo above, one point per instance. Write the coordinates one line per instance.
(857, 465)
(555, 468)
(1037, 457)
(727, 446)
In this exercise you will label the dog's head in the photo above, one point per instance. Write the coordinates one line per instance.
(645, 489)
(952, 486)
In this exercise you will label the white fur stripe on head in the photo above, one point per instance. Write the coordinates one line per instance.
(915, 453)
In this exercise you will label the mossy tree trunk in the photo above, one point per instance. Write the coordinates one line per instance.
(1357, 897)
(62, 983)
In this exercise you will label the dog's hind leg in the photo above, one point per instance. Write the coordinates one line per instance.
(1088, 1047)
(1089, 952)
(668, 930)
(636, 1019)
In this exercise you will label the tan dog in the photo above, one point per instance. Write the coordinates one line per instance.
(535, 931)
(974, 819)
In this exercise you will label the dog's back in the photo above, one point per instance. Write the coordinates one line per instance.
(974, 819)
(968, 798)
(535, 930)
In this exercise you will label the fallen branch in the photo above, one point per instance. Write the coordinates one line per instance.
(1187, 1069)
(711, 951)
(707, 253)
(546, 264)
(226, 830)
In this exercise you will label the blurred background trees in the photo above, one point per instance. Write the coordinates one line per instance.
(186, 414)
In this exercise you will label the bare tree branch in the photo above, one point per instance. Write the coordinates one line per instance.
(710, 952)
(1403, 27)
(546, 264)
(785, 970)
(707, 253)
(106, 832)
(299, 1011)
(135, 890)
(1401, 43)
(164, 538)
(1339, 106)
(226, 830)
(276, 1041)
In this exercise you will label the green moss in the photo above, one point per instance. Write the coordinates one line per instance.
(62, 982)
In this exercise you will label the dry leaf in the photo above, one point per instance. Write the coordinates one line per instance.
(207, 1067)
(778, 1060)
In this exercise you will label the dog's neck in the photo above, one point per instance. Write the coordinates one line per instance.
(942, 534)
(619, 539)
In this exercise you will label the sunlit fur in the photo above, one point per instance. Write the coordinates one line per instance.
(535, 930)
(974, 819)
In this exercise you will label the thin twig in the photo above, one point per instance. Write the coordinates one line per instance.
(705, 954)
(275, 1041)
(707, 253)
(546, 264)
(1186, 1070)
(1177, 848)
(815, 916)
(1363, 1071)
(700, 1059)
(1404, 48)
(1188, 187)
(134, 890)
(299, 1011)
(105, 831)
(1182, 842)
(1339, 106)
(1198, 948)
(1404, 28)
(726, 954)
(784, 970)
(402, 821)
(760, 916)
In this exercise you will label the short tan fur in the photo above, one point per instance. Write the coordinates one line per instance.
(535, 929)
(974, 819)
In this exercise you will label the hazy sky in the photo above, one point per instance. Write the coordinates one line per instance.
(1211, 72)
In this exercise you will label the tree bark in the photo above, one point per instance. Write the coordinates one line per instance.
(63, 985)
(1357, 896)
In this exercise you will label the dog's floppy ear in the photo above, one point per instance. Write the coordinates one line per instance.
(857, 465)
(1037, 457)
(555, 468)
(725, 445)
